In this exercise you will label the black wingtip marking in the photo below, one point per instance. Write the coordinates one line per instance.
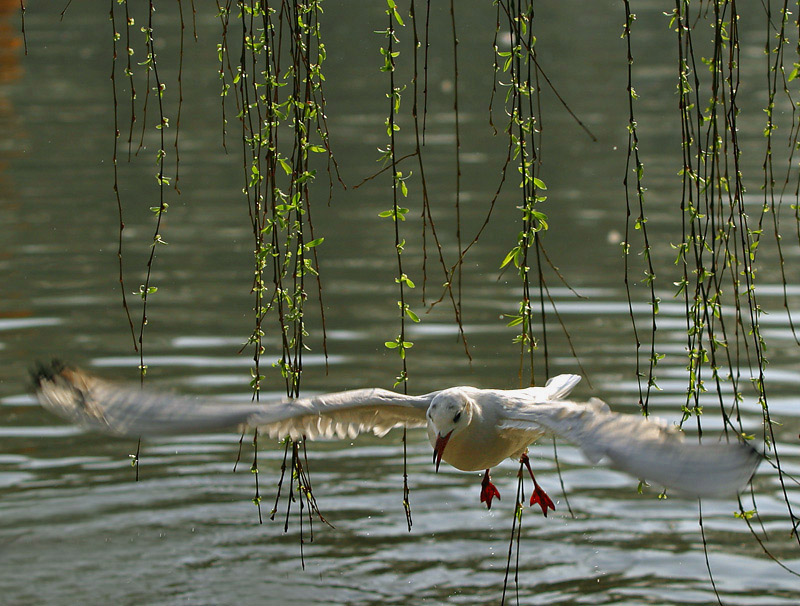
(42, 372)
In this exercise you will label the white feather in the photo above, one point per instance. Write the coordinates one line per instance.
(645, 448)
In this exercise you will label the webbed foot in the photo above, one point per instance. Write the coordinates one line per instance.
(488, 490)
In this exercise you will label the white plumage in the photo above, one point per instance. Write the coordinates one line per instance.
(469, 428)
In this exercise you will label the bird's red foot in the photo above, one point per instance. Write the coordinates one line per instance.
(540, 496)
(488, 491)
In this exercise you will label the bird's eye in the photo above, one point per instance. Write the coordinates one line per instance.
(457, 417)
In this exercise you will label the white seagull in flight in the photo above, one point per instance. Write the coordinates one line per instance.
(471, 429)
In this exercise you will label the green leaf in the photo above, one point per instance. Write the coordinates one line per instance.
(510, 256)
(306, 176)
(404, 279)
(285, 165)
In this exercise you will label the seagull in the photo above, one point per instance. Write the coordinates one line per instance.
(469, 428)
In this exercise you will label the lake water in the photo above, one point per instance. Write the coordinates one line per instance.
(74, 525)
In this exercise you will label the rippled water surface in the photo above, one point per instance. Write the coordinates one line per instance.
(74, 525)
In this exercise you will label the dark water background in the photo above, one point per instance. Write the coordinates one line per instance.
(75, 528)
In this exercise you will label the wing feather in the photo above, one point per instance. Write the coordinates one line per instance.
(132, 411)
(343, 415)
(647, 449)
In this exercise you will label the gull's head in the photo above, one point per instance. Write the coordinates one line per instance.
(450, 413)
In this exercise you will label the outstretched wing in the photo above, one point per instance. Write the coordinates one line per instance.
(645, 448)
(133, 411)
(343, 414)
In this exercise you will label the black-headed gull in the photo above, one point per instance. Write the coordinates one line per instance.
(471, 429)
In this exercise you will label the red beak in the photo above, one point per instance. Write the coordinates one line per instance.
(438, 449)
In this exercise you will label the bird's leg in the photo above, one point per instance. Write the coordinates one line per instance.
(488, 490)
(539, 495)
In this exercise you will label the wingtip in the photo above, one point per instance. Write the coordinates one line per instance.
(42, 372)
(742, 468)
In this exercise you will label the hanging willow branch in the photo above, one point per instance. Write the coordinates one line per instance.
(427, 213)
(640, 225)
(123, 290)
(150, 69)
(457, 131)
(278, 84)
(151, 65)
(522, 130)
(397, 215)
(718, 253)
